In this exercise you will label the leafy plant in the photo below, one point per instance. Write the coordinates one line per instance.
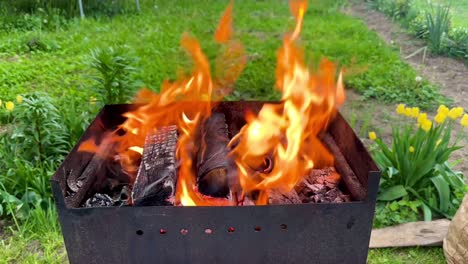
(39, 133)
(114, 78)
(396, 212)
(415, 165)
(438, 24)
(396, 9)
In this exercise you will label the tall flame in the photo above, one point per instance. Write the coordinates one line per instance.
(287, 133)
(186, 103)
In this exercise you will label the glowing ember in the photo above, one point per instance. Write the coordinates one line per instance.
(274, 150)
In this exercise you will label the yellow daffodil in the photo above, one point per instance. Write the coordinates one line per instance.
(407, 111)
(19, 99)
(464, 120)
(400, 109)
(422, 118)
(411, 149)
(426, 126)
(92, 100)
(438, 142)
(456, 112)
(443, 109)
(415, 112)
(372, 135)
(9, 106)
(440, 118)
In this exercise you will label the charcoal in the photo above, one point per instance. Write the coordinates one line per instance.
(99, 200)
(283, 197)
(212, 158)
(156, 180)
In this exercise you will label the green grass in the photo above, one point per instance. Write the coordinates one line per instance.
(153, 36)
(459, 10)
(412, 255)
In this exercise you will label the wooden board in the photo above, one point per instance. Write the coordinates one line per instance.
(410, 234)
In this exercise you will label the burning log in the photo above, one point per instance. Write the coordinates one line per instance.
(355, 187)
(155, 183)
(212, 158)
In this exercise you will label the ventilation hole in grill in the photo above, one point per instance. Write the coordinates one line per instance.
(139, 232)
(284, 226)
(184, 231)
(208, 231)
(231, 229)
(162, 231)
(258, 229)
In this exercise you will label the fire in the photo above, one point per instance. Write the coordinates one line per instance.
(274, 150)
(186, 103)
(287, 133)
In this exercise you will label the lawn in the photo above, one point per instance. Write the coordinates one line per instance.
(58, 63)
(55, 59)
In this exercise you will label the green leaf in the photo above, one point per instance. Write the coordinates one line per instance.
(444, 192)
(427, 213)
(392, 193)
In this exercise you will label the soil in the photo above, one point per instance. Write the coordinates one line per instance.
(451, 75)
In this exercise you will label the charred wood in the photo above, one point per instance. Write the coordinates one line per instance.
(156, 180)
(283, 197)
(350, 179)
(212, 158)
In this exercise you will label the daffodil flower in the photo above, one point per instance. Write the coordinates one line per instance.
(415, 112)
(411, 149)
(443, 109)
(19, 99)
(440, 118)
(455, 112)
(426, 126)
(372, 135)
(9, 106)
(400, 109)
(464, 120)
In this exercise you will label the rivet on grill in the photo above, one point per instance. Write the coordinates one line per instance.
(139, 232)
(208, 231)
(231, 229)
(184, 231)
(258, 229)
(162, 231)
(284, 226)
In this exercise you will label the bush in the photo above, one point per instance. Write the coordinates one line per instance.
(416, 166)
(456, 45)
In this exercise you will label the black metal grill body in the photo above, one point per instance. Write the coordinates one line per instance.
(305, 233)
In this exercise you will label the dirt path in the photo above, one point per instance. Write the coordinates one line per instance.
(450, 74)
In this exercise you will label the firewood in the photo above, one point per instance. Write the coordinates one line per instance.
(212, 158)
(82, 185)
(155, 183)
(352, 183)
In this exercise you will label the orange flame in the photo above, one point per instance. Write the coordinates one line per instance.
(287, 133)
(185, 102)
